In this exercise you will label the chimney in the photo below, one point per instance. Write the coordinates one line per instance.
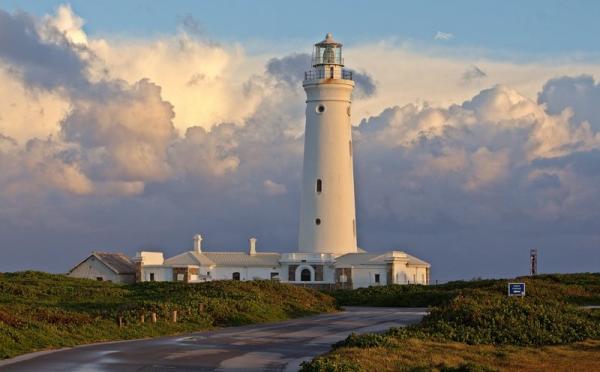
(252, 246)
(198, 243)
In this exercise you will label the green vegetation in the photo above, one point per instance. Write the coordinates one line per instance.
(487, 330)
(41, 311)
(580, 289)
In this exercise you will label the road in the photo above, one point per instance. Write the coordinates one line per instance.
(265, 347)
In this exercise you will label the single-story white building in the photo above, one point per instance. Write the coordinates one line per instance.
(319, 270)
(102, 266)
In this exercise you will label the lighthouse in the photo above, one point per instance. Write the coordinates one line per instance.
(327, 210)
(327, 255)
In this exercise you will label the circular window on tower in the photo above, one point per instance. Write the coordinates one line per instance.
(320, 109)
(348, 111)
(318, 221)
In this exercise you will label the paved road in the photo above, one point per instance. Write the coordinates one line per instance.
(265, 347)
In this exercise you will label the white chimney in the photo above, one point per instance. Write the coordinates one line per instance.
(198, 243)
(252, 246)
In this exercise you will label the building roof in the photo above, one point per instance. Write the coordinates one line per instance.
(224, 259)
(117, 262)
(361, 259)
(412, 260)
(378, 259)
(189, 258)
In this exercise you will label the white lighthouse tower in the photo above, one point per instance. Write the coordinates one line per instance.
(327, 211)
(327, 256)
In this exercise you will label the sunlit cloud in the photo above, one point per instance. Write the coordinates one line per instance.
(172, 134)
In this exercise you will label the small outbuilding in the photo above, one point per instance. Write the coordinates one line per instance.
(102, 266)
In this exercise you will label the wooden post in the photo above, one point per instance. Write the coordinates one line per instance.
(174, 316)
(201, 308)
(153, 317)
(142, 318)
(121, 322)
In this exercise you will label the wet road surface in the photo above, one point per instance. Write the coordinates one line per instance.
(265, 347)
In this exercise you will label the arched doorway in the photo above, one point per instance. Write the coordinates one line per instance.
(305, 275)
(235, 276)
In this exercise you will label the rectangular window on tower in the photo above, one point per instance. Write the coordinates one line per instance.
(319, 186)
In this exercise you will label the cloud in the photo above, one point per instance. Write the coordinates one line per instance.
(191, 25)
(202, 152)
(125, 135)
(67, 23)
(47, 62)
(119, 143)
(290, 70)
(274, 188)
(579, 94)
(474, 74)
(443, 36)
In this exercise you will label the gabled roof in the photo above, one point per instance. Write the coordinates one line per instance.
(412, 260)
(361, 259)
(189, 258)
(377, 259)
(243, 259)
(117, 262)
(224, 259)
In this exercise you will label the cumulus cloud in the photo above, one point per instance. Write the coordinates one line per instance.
(67, 23)
(290, 70)
(125, 135)
(580, 95)
(48, 64)
(129, 143)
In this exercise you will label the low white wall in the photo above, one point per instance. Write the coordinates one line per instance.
(161, 273)
(92, 268)
(410, 275)
(365, 276)
(246, 273)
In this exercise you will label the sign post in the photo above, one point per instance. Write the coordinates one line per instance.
(516, 289)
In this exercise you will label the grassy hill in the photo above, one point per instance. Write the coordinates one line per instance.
(41, 311)
(474, 326)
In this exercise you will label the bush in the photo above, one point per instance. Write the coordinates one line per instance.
(572, 288)
(334, 364)
(363, 341)
(69, 311)
(509, 321)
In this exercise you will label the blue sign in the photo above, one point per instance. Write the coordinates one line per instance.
(516, 289)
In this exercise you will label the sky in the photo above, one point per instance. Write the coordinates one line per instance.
(129, 125)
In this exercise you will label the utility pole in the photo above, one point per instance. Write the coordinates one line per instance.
(533, 261)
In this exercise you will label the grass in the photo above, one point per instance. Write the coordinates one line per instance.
(40, 311)
(579, 289)
(474, 326)
(416, 355)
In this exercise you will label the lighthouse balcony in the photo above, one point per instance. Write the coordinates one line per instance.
(314, 75)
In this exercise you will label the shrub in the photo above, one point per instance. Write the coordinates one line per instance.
(39, 310)
(333, 364)
(479, 319)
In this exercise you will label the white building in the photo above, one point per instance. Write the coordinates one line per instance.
(102, 266)
(327, 255)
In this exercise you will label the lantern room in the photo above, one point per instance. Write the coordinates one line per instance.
(328, 52)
